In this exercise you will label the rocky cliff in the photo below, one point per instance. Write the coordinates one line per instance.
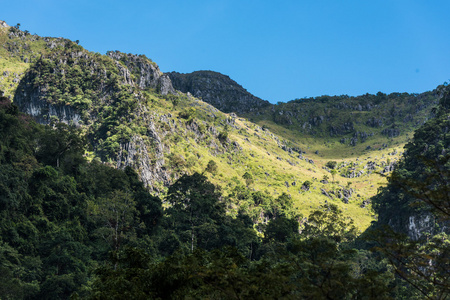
(218, 90)
(133, 116)
(128, 108)
(146, 74)
(105, 95)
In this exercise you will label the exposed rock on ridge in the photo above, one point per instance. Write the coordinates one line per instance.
(218, 90)
(42, 111)
(51, 90)
(146, 73)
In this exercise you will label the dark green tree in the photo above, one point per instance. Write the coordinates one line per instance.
(211, 167)
(117, 211)
(331, 164)
(61, 144)
(248, 178)
(196, 211)
(419, 188)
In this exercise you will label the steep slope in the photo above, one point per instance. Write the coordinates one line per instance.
(218, 90)
(418, 193)
(363, 122)
(132, 116)
(413, 230)
(367, 120)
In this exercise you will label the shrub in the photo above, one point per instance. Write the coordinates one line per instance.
(211, 167)
(223, 136)
(187, 114)
(331, 164)
(248, 178)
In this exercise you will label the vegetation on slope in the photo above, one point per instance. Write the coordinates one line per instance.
(132, 118)
(70, 228)
(74, 226)
(415, 204)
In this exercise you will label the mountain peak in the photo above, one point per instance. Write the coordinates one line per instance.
(218, 90)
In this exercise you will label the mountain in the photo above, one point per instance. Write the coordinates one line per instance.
(110, 174)
(349, 120)
(134, 115)
(218, 90)
(416, 200)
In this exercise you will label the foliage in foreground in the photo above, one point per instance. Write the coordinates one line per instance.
(70, 228)
(419, 193)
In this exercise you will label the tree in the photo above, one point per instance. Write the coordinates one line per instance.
(211, 167)
(306, 185)
(420, 186)
(423, 264)
(223, 135)
(331, 164)
(281, 229)
(283, 204)
(59, 143)
(196, 211)
(117, 213)
(329, 222)
(333, 174)
(248, 178)
(12, 285)
(187, 114)
(322, 265)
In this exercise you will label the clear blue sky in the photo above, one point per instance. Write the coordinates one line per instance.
(277, 50)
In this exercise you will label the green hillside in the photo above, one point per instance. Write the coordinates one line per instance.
(133, 117)
(114, 184)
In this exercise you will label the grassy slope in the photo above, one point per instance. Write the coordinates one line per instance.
(15, 57)
(260, 149)
(261, 153)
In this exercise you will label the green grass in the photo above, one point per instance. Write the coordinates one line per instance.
(259, 155)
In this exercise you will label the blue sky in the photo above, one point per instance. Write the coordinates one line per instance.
(277, 50)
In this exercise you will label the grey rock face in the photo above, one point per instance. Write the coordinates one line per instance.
(32, 99)
(43, 111)
(135, 154)
(165, 85)
(389, 168)
(324, 192)
(420, 225)
(364, 203)
(218, 90)
(342, 129)
(305, 187)
(416, 226)
(146, 73)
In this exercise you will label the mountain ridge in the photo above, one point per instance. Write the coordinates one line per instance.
(317, 116)
(132, 116)
(218, 90)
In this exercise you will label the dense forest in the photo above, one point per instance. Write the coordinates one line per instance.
(73, 228)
